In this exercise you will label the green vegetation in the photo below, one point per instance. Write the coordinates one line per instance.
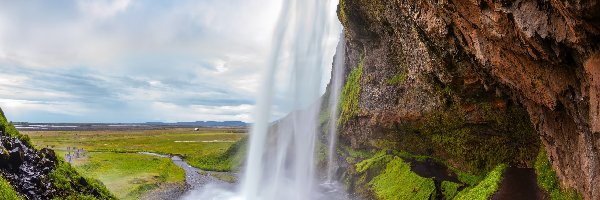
(450, 189)
(350, 95)
(225, 177)
(193, 146)
(393, 179)
(486, 188)
(342, 13)
(226, 161)
(547, 179)
(397, 79)
(73, 185)
(452, 135)
(397, 181)
(129, 175)
(112, 156)
(378, 158)
(9, 129)
(7, 192)
(352, 155)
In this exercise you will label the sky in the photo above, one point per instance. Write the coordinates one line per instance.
(136, 61)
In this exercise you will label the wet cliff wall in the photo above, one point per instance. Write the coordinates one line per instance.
(476, 83)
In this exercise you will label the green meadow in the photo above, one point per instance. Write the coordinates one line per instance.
(112, 156)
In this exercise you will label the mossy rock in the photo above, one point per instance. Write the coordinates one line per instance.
(548, 181)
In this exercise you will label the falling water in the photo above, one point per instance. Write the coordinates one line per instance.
(336, 85)
(280, 164)
(281, 159)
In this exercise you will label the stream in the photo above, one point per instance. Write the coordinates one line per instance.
(195, 180)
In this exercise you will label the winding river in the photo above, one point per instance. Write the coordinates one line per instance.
(195, 179)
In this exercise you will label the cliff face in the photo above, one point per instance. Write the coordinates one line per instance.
(492, 66)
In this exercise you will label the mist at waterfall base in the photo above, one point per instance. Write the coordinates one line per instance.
(281, 162)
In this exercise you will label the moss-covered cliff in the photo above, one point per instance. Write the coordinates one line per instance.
(475, 84)
(26, 172)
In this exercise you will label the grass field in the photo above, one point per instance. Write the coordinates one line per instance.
(112, 156)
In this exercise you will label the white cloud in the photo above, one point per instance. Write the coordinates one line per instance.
(172, 112)
(101, 9)
(16, 107)
(117, 56)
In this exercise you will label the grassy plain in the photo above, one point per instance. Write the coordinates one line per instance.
(112, 156)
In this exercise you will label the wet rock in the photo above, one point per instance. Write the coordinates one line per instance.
(538, 56)
(27, 169)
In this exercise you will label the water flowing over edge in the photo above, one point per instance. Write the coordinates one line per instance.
(281, 159)
(337, 79)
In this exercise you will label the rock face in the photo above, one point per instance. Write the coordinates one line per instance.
(26, 168)
(419, 58)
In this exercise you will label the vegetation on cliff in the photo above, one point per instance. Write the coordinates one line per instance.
(71, 185)
(547, 179)
(392, 174)
(397, 181)
(9, 129)
(453, 134)
(350, 94)
(486, 188)
(7, 192)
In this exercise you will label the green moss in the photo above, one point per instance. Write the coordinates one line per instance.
(547, 179)
(486, 188)
(379, 158)
(383, 144)
(342, 13)
(69, 183)
(467, 178)
(9, 129)
(450, 189)
(7, 192)
(353, 155)
(393, 179)
(501, 136)
(397, 79)
(350, 95)
(397, 181)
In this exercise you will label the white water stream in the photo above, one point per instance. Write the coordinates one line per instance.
(281, 160)
(337, 80)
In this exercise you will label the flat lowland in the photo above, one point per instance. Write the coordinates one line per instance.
(114, 158)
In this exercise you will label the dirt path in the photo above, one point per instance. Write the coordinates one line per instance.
(519, 184)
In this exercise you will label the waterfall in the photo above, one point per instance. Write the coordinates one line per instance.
(281, 157)
(280, 164)
(337, 79)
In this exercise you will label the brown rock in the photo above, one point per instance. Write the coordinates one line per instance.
(544, 55)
